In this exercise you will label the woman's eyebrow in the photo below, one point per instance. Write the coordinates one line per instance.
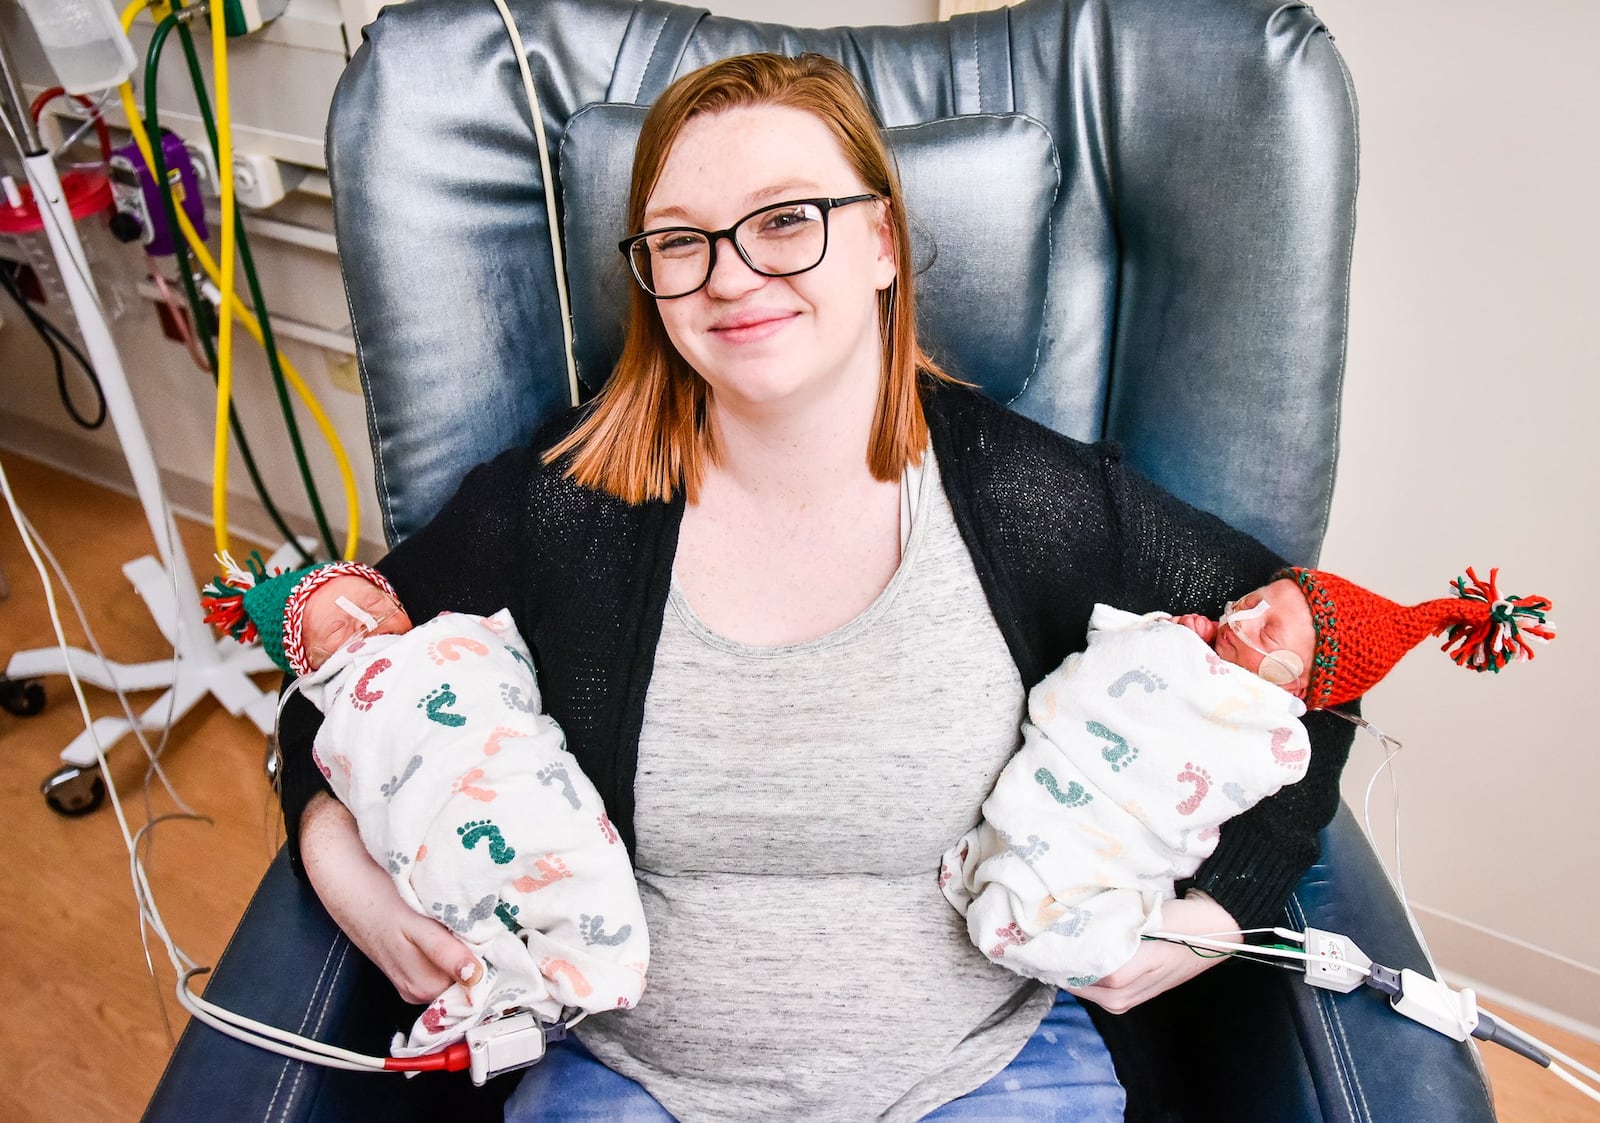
(788, 189)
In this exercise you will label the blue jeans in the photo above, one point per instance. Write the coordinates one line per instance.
(1063, 1074)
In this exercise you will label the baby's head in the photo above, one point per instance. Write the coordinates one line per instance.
(301, 616)
(1328, 641)
(1269, 632)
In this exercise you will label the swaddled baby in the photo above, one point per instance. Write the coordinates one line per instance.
(1139, 748)
(462, 788)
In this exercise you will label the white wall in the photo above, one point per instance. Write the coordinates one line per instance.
(1468, 439)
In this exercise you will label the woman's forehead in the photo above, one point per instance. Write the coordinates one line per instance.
(730, 162)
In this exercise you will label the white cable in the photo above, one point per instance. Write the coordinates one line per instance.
(1391, 749)
(307, 1049)
(1557, 1070)
(143, 895)
(1549, 1050)
(208, 1014)
(77, 687)
(16, 141)
(94, 114)
(1231, 946)
(1396, 877)
(152, 754)
(549, 199)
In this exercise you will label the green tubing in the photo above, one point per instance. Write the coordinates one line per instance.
(197, 308)
(186, 39)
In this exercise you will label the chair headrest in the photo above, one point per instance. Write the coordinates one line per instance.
(985, 183)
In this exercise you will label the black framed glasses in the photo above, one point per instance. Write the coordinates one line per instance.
(776, 241)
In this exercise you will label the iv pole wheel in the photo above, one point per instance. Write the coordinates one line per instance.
(21, 697)
(74, 791)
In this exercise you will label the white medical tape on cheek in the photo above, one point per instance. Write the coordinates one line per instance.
(356, 612)
(1281, 667)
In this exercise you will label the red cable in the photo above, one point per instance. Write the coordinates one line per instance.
(455, 1058)
(100, 128)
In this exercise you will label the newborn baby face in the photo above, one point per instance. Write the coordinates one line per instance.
(328, 625)
(1251, 636)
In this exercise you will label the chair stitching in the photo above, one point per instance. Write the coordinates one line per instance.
(298, 1067)
(1337, 1049)
(1350, 1076)
(1344, 336)
(638, 91)
(977, 64)
(1049, 261)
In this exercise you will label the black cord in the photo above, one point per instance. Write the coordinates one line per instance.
(51, 335)
(1490, 1030)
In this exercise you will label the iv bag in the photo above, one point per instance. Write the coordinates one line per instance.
(84, 41)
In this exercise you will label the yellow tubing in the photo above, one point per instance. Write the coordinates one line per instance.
(230, 232)
(242, 313)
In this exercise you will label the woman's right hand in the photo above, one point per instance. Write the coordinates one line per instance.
(421, 957)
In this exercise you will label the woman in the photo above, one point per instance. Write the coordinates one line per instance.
(791, 648)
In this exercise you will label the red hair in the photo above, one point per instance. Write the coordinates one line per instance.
(645, 433)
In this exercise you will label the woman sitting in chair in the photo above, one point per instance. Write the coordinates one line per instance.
(787, 584)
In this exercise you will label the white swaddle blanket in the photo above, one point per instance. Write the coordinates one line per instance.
(1136, 751)
(465, 792)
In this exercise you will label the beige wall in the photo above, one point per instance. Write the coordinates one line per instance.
(1469, 440)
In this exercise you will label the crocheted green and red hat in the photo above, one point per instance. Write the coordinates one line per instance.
(249, 604)
(1361, 636)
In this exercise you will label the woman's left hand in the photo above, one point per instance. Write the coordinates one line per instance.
(1160, 965)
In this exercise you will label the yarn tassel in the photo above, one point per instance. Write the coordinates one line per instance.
(1503, 632)
(223, 597)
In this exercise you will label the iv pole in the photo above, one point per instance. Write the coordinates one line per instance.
(201, 664)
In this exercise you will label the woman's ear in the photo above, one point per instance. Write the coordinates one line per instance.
(884, 268)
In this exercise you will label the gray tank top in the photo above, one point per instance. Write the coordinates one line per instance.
(793, 803)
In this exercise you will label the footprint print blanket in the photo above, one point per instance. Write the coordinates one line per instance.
(1135, 752)
(464, 790)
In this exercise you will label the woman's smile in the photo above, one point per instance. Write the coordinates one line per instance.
(752, 325)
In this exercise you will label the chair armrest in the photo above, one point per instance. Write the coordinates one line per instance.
(1247, 1042)
(288, 965)
(1369, 1062)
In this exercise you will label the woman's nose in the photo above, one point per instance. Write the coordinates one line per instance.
(730, 276)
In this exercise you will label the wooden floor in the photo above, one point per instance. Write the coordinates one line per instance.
(85, 1038)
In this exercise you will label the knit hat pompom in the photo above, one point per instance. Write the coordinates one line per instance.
(1503, 632)
(1360, 636)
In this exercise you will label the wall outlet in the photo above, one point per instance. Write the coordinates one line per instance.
(344, 373)
(244, 16)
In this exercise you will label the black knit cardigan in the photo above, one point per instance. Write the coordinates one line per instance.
(1053, 526)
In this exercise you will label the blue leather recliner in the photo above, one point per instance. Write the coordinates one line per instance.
(1133, 220)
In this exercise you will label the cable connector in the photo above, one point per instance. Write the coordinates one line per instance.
(1334, 962)
(1453, 1013)
(509, 1043)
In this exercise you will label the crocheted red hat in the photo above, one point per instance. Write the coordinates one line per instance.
(1361, 636)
